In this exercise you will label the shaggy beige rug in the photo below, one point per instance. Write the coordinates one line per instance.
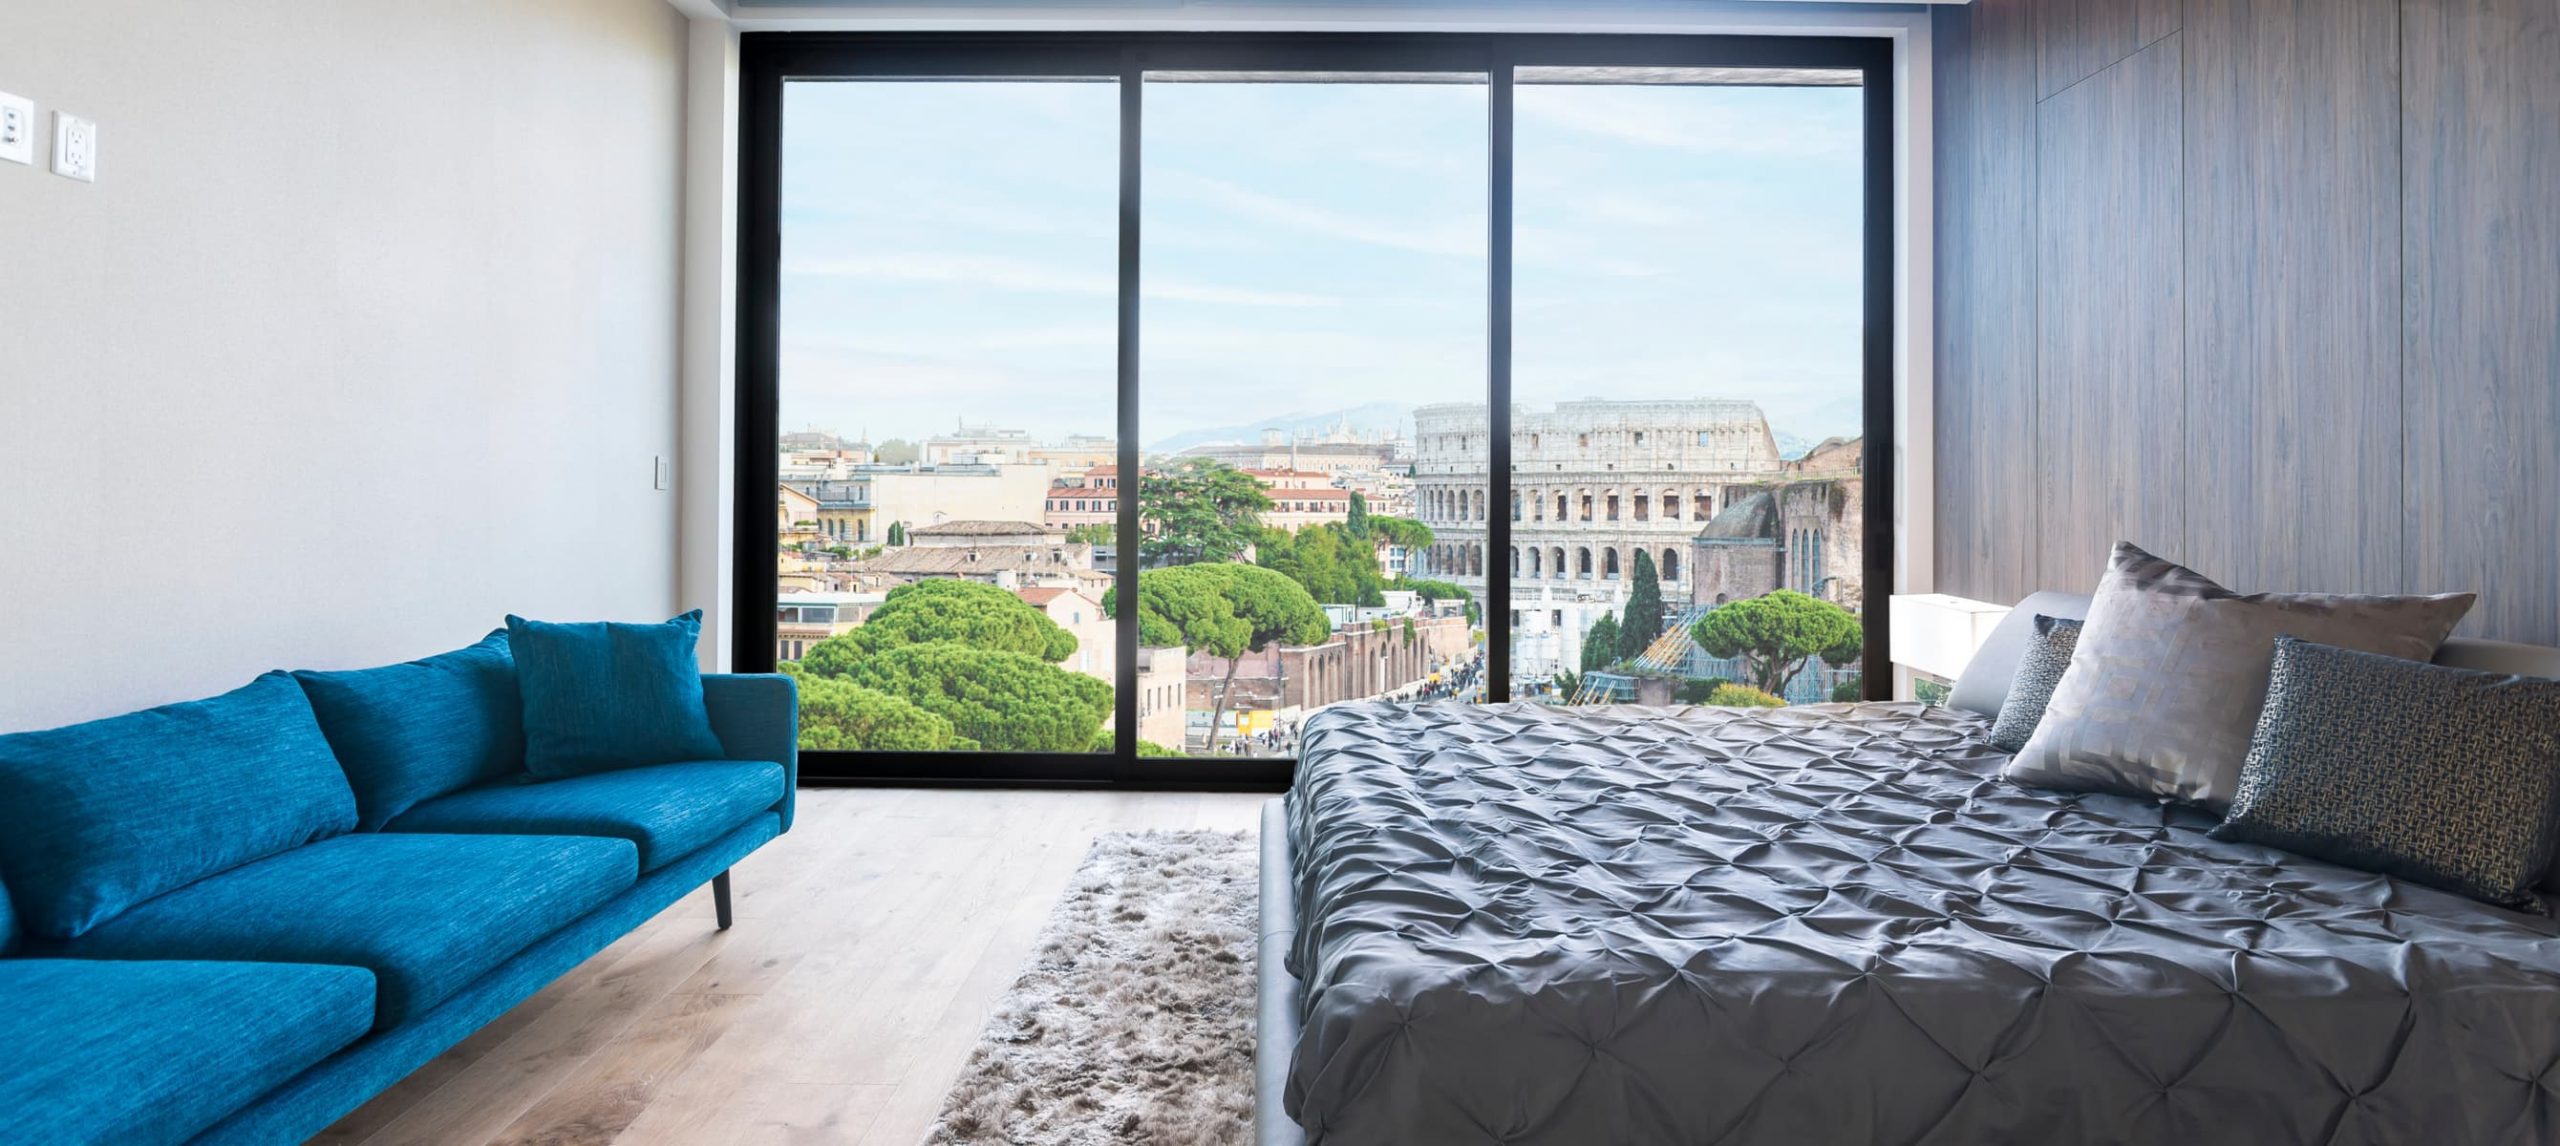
(1133, 1022)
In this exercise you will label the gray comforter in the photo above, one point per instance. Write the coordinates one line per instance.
(1522, 924)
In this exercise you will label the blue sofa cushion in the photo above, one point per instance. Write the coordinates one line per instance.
(668, 810)
(415, 731)
(97, 817)
(154, 1052)
(606, 695)
(425, 914)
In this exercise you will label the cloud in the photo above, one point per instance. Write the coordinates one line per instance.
(1462, 236)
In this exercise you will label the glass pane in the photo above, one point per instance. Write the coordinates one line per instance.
(949, 388)
(1686, 373)
(1314, 297)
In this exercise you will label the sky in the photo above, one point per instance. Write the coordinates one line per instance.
(950, 249)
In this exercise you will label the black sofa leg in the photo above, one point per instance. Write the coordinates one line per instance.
(720, 898)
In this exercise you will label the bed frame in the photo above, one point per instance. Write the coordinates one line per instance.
(1981, 689)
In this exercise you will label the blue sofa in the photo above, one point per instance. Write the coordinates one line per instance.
(236, 919)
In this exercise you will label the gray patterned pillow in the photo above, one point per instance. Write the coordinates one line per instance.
(2441, 776)
(2040, 666)
(2165, 687)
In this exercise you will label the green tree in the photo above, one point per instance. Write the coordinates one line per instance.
(895, 452)
(1093, 534)
(1403, 531)
(970, 613)
(1358, 522)
(1600, 645)
(1775, 635)
(1200, 510)
(1332, 565)
(839, 714)
(897, 534)
(1849, 690)
(1644, 615)
(1225, 610)
(1005, 701)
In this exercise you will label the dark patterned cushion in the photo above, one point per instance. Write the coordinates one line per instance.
(2442, 776)
(2171, 670)
(2048, 652)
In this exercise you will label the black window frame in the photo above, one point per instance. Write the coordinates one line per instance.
(769, 60)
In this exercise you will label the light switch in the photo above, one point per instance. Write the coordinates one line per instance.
(75, 147)
(666, 474)
(17, 128)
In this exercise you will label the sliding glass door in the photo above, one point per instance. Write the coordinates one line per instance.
(1125, 402)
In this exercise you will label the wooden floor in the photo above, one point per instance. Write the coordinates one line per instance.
(870, 943)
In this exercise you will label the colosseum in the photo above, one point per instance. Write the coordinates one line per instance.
(1596, 481)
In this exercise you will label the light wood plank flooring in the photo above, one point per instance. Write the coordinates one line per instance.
(871, 941)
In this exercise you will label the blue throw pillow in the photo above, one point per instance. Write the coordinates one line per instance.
(412, 732)
(97, 817)
(603, 696)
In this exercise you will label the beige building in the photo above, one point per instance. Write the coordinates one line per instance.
(1011, 554)
(1300, 498)
(1595, 482)
(1163, 674)
(1079, 613)
(1093, 498)
(804, 619)
(860, 509)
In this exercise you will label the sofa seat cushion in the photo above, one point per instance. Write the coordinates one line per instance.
(426, 914)
(154, 1052)
(667, 810)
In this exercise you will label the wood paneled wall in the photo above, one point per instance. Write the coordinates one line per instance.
(2271, 287)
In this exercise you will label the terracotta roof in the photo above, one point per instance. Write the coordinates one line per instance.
(978, 529)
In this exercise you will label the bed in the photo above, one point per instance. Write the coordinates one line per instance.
(1835, 923)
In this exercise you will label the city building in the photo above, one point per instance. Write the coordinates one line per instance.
(860, 508)
(804, 619)
(1162, 687)
(1093, 498)
(1079, 612)
(1300, 498)
(978, 445)
(1594, 482)
(1386, 656)
(1011, 554)
(1336, 450)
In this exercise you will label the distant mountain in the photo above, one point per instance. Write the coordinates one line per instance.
(1792, 446)
(1373, 417)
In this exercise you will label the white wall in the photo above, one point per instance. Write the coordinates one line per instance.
(365, 336)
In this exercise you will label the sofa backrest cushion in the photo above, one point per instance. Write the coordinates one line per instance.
(97, 817)
(8, 924)
(408, 733)
(601, 696)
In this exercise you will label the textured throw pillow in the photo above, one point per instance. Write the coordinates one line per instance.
(603, 696)
(415, 731)
(2040, 666)
(97, 817)
(2171, 670)
(2442, 776)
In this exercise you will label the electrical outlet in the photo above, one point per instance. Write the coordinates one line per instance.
(75, 147)
(17, 128)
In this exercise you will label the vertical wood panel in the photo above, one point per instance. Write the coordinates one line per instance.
(2291, 226)
(1985, 287)
(2077, 39)
(2111, 425)
(2481, 314)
